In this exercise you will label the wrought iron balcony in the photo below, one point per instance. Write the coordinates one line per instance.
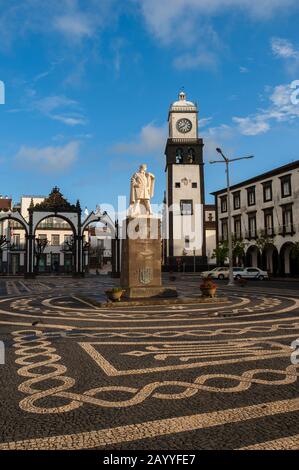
(53, 226)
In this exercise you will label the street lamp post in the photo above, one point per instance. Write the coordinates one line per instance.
(227, 161)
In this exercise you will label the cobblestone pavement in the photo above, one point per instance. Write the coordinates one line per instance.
(196, 376)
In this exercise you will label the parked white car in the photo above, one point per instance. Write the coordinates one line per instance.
(216, 273)
(250, 273)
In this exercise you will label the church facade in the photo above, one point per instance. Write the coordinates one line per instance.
(189, 224)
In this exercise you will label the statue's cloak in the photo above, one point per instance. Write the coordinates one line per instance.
(142, 187)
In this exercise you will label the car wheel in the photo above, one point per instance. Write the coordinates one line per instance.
(261, 278)
(221, 277)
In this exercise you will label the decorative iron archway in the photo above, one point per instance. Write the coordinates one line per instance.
(17, 217)
(55, 205)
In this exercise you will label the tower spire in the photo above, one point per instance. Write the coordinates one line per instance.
(182, 95)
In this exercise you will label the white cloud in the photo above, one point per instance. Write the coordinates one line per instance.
(60, 108)
(204, 122)
(252, 125)
(284, 49)
(50, 103)
(167, 22)
(243, 69)
(75, 25)
(219, 136)
(202, 58)
(48, 159)
(76, 20)
(187, 23)
(281, 109)
(150, 140)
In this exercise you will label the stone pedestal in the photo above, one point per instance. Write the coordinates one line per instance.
(141, 259)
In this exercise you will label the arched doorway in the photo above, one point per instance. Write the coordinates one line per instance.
(113, 230)
(54, 245)
(289, 263)
(270, 259)
(54, 207)
(14, 244)
(253, 257)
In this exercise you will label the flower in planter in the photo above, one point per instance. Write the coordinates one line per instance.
(208, 288)
(115, 293)
(208, 284)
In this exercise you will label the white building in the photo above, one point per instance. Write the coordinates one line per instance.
(189, 225)
(265, 214)
(100, 253)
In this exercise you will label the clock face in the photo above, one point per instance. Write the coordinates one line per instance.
(184, 125)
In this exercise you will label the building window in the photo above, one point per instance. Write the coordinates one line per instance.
(187, 242)
(224, 230)
(251, 196)
(237, 228)
(267, 190)
(68, 238)
(237, 200)
(287, 220)
(100, 244)
(251, 226)
(286, 188)
(177, 185)
(268, 218)
(55, 240)
(179, 156)
(223, 203)
(16, 240)
(186, 207)
(194, 185)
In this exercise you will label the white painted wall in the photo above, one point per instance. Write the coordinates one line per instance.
(187, 226)
(210, 245)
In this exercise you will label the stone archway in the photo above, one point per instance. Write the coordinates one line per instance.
(289, 265)
(270, 259)
(253, 257)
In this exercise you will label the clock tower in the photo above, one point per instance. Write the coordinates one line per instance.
(185, 238)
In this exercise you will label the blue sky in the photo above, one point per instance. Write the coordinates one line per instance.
(89, 83)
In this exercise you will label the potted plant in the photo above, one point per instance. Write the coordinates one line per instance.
(115, 294)
(208, 288)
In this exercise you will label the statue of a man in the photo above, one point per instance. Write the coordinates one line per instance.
(142, 190)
